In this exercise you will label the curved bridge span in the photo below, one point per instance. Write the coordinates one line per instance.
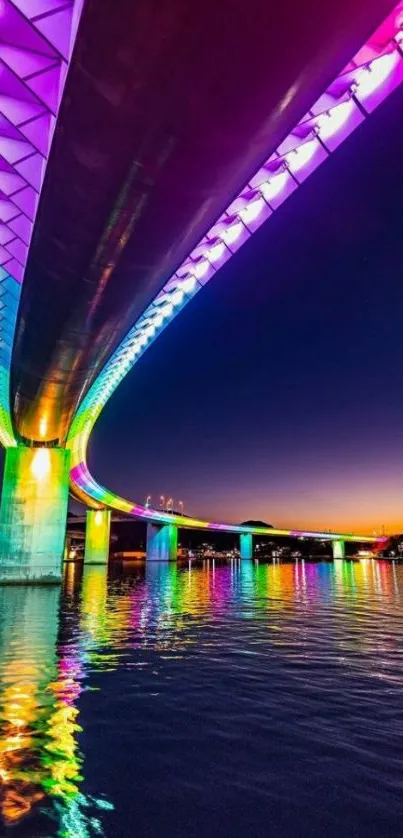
(371, 75)
(100, 498)
(115, 144)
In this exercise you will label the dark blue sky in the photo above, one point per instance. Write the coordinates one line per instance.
(277, 393)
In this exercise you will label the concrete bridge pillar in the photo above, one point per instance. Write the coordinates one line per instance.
(97, 531)
(162, 542)
(33, 514)
(339, 549)
(67, 547)
(246, 545)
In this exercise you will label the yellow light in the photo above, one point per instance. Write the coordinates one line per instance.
(98, 518)
(40, 465)
(43, 427)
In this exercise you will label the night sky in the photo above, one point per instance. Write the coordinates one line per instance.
(277, 394)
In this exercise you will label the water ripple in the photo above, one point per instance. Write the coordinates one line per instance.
(264, 699)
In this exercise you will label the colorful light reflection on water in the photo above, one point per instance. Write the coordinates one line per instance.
(164, 696)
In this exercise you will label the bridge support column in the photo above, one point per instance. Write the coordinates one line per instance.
(339, 550)
(97, 531)
(162, 543)
(33, 514)
(67, 547)
(246, 545)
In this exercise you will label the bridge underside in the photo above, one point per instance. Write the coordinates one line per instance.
(168, 108)
(368, 79)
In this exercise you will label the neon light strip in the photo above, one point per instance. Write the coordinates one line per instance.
(369, 78)
(36, 42)
(81, 477)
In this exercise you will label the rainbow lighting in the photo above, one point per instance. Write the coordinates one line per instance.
(36, 43)
(372, 74)
(33, 512)
(97, 536)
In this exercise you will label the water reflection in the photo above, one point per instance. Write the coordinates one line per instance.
(40, 762)
(28, 634)
(122, 639)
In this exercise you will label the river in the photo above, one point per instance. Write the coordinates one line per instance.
(237, 699)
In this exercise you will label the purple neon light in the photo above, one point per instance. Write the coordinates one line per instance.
(36, 41)
(36, 37)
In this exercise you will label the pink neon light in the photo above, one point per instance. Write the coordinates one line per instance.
(330, 123)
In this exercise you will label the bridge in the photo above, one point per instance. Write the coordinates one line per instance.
(135, 162)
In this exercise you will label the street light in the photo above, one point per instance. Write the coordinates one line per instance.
(162, 501)
(181, 506)
(148, 501)
(170, 504)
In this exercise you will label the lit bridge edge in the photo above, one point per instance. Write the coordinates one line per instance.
(368, 79)
(29, 110)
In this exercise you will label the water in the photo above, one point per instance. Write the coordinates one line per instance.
(221, 700)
